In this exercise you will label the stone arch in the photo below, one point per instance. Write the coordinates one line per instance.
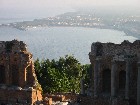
(2, 74)
(107, 80)
(29, 76)
(122, 79)
(15, 75)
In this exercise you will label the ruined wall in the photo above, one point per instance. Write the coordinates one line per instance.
(19, 96)
(115, 70)
(17, 75)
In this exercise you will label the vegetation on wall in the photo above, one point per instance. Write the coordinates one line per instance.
(63, 75)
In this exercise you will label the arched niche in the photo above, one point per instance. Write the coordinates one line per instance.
(106, 80)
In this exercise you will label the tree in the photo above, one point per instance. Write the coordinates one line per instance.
(61, 76)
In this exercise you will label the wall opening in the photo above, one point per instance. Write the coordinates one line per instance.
(122, 80)
(2, 74)
(107, 80)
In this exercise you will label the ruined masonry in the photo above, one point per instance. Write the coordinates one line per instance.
(115, 78)
(18, 82)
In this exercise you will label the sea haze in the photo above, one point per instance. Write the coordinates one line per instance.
(55, 42)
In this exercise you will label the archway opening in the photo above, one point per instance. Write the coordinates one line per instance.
(15, 75)
(2, 74)
(29, 80)
(107, 80)
(122, 80)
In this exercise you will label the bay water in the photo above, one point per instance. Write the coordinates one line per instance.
(56, 42)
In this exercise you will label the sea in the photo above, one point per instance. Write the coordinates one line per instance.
(55, 42)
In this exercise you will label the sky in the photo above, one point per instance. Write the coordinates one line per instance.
(52, 7)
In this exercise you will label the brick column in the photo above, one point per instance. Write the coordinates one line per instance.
(138, 85)
(113, 78)
(96, 76)
(128, 68)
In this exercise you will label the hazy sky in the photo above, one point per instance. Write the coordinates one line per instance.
(60, 3)
(37, 6)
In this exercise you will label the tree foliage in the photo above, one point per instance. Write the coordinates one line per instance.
(61, 76)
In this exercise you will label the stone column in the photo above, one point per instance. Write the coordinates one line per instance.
(138, 85)
(128, 68)
(96, 76)
(113, 78)
(82, 86)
